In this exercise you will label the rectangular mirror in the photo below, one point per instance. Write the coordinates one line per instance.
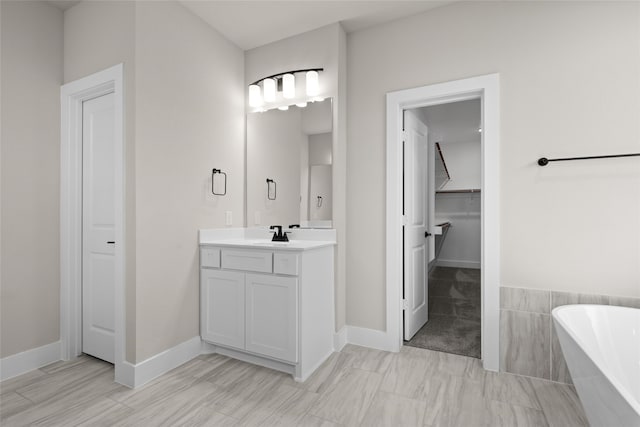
(289, 166)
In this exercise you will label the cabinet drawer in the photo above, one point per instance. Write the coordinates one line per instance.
(248, 260)
(284, 263)
(210, 257)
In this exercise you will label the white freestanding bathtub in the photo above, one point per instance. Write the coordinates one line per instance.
(601, 345)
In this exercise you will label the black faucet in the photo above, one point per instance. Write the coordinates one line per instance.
(279, 236)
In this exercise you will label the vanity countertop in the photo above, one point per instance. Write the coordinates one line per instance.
(260, 238)
(292, 245)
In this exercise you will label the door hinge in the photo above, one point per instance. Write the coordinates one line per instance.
(405, 304)
(404, 136)
(404, 220)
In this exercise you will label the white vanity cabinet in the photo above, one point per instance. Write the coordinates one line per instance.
(222, 301)
(271, 310)
(268, 306)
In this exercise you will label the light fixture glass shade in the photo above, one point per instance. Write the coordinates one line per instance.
(313, 87)
(288, 86)
(255, 98)
(269, 87)
(283, 108)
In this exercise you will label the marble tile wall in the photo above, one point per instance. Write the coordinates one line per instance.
(528, 342)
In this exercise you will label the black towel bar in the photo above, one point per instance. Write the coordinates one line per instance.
(543, 161)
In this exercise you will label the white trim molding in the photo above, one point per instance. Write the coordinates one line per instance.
(72, 95)
(340, 339)
(141, 373)
(21, 363)
(487, 88)
(371, 338)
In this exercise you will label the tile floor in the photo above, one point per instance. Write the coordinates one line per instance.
(454, 313)
(357, 386)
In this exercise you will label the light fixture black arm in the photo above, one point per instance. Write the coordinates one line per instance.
(286, 72)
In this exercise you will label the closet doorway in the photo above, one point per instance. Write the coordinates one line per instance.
(486, 88)
(442, 230)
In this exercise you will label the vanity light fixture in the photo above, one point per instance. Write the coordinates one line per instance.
(255, 96)
(313, 88)
(269, 89)
(283, 108)
(289, 86)
(286, 83)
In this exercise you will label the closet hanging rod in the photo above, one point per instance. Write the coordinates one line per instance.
(543, 161)
(470, 190)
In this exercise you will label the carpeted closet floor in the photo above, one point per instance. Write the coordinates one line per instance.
(454, 313)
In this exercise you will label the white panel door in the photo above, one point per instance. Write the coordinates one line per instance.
(222, 307)
(272, 316)
(416, 220)
(98, 228)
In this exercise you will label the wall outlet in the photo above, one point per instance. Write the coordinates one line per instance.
(229, 218)
(256, 218)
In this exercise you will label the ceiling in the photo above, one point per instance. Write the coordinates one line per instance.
(250, 24)
(454, 122)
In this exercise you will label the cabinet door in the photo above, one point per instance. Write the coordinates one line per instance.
(272, 316)
(222, 307)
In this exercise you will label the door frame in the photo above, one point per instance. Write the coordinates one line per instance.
(72, 95)
(487, 88)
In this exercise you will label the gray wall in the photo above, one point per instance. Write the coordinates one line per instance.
(189, 119)
(31, 77)
(560, 96)
(184, 115)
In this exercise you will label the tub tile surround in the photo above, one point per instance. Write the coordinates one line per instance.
(528, 341)
(525, 343)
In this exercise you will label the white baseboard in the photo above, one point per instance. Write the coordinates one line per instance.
(125, 374)
(340, 339)
(458, 264)
(141, 373)
(256, 360)
(20, 363)
(301, 377)
(371, 338)
(207, 348)
(162, 363)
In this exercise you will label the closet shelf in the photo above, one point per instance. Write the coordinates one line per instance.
(470, 190)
